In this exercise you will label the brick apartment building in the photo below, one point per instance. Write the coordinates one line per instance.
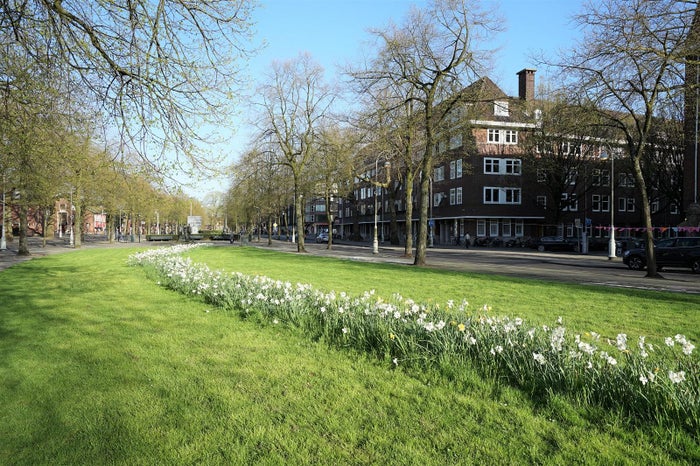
(485, 184)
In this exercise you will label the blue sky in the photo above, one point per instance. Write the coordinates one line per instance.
(334, 32)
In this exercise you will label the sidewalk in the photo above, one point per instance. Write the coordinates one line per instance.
(54, 245)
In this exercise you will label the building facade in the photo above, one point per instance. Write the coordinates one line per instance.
(487, 182)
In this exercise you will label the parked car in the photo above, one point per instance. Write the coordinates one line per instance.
(671, 252)
(322, 237)
(555, 243)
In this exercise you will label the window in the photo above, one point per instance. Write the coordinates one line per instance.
(440, 146)
(493, 195)
(674, 209)
(456, 169)
(456, 141)
(511, 136)
(542, 201)
(626, 204)
(626, 180)
(493, 227)
(481, 227)
(502, 136)
(491, 166)
(654, 206)
(500, 108)
(439, 173)
(455, 196)
(519, 228)
(502, 166)
(541, 175)
(569, 202)
(571, 176)
(506, 227)
(513, 166)
(601, 203)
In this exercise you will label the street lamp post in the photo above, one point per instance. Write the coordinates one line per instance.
(72, 219)
(377, 184)
(431, 223)
(611, 243)
(3, 243)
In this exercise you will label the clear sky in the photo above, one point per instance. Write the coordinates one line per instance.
(334, 32)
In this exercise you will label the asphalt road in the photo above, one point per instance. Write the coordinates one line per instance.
(588, 269)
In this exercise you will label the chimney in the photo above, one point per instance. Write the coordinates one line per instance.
(526, 84)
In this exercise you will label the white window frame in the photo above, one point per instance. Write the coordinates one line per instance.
(439, 173)
(519, 228)
(492, 166)
(493, 227)
(507, 227)
(481, 227)
(459, 196)
(502, 195)
(626, 204)
(500, 108)
(565, 197)
(493, 136)
(510, 136)
(496, 166)
(514, 167)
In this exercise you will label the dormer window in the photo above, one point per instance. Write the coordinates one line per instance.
(500, 108)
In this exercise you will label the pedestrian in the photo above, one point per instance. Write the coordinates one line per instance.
(467, 240)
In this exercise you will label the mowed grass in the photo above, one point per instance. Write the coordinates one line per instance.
(99, 365)
(583, 308)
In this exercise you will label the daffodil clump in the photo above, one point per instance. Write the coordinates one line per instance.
(649, 381)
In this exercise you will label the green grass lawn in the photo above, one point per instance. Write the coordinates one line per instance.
(99, 365)
(605, 310)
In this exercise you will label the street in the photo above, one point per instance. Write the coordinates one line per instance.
(590, 269)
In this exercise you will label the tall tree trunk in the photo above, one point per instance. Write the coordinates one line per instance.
(23, 248)
(299, 210)
(652, 269)
(425, 200)
(408, 250)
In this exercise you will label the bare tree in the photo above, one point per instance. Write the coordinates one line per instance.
(334, 169)
(160, 69)
(628, 64)
(560, 150)
(294, 105)
(429, 58)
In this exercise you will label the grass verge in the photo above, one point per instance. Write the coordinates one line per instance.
(101, 366)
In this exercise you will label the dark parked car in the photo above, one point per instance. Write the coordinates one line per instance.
(555, 243)
(672, 252)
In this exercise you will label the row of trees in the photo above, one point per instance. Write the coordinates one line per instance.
(103, 102)
(623, 83)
